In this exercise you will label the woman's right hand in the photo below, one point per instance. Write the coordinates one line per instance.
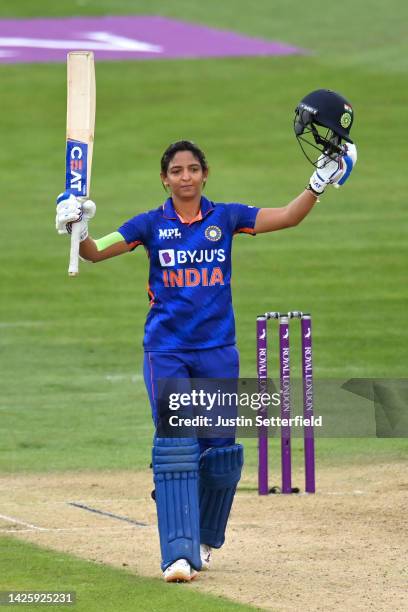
(73, 210)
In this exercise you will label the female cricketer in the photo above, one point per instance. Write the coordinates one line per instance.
(188, 240)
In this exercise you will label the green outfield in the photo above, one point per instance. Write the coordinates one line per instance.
(71, 359)
(24, 565)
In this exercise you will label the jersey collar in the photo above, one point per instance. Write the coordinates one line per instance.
(169, 212)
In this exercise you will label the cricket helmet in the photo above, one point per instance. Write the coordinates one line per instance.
(323, 119)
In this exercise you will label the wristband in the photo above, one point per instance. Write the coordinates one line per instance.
(310, 188)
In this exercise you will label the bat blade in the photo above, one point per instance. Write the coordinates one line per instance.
(81, 100)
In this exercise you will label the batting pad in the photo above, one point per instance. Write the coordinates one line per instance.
(175, 468)
(220, 471)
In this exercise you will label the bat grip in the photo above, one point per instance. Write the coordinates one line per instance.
(74, 252)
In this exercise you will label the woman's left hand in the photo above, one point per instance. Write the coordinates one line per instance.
(333, 171)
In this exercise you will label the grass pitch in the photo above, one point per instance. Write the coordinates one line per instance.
(26, 567)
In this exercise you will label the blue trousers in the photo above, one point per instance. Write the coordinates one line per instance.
(221, 362)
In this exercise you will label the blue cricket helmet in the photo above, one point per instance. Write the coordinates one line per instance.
(323, 119)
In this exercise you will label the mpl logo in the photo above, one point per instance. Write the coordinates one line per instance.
(167, 258)
(169, 233)
(76, 167)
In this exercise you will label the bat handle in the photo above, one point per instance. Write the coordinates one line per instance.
(74, 252)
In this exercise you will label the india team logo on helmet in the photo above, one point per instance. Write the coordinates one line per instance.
(347, 117)
(345, 120)
(213, 233)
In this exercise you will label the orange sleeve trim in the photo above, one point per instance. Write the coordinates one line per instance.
(245, 230)
(135, 244)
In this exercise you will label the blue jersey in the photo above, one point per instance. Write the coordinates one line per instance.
(190, 273)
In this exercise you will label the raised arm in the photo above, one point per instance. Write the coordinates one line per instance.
(72, 210)
(328, 172)
(272, 219)
(103, 248)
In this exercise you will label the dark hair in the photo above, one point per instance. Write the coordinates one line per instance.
(182, 145)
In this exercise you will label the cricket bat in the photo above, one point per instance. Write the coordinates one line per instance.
(81, 99)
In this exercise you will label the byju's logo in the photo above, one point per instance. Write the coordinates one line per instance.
(171, 257)
(166, 258)
(169, 233)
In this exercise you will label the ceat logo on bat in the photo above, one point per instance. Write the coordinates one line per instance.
(76, 167)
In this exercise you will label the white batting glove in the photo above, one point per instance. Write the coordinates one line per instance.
(72, 210)
(333, 171)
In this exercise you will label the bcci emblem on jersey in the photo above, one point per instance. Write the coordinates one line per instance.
(213, 233)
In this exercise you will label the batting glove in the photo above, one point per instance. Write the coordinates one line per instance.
(333, 171)
(72, 210)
